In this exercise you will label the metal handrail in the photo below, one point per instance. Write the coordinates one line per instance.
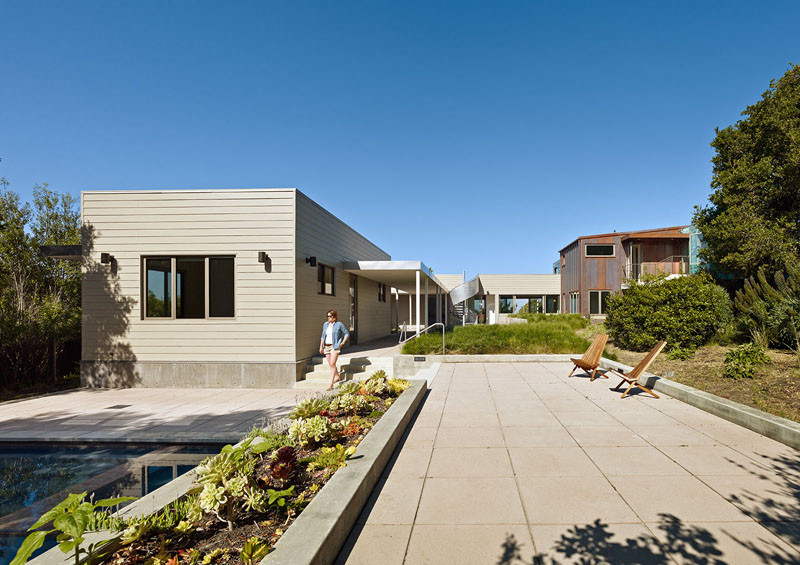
(422, 331)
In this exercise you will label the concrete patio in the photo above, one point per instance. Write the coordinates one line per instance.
(132, 415)
(516, 463)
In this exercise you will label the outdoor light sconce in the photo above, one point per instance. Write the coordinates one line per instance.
(264, 258)
(106, 258)
(311, 261)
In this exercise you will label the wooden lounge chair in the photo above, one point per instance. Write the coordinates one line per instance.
(591, 359)
(632, 378)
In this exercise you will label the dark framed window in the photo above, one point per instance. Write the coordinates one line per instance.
(325, 279)
(599, 250)
(188, 287)
(598, 300)
(381, 293)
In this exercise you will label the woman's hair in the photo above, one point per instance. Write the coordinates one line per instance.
(334, 314)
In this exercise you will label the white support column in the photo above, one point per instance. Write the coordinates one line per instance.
(426, 303)
(437, 311)
(544, 304)
(410, 319)
(417, 305)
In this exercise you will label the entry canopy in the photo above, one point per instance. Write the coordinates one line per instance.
(402, 275)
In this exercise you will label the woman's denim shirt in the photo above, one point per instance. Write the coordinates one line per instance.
(339, 333)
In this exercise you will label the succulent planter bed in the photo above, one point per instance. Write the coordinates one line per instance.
(247, 496)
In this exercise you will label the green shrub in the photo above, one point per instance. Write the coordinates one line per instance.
(685, 312)
(740, 362)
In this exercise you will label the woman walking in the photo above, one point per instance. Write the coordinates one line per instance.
(334, 334)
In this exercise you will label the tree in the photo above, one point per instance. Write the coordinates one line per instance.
(753, 219)
(772, 311)
(39, 296)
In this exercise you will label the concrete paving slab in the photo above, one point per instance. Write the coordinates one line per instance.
(572, 500)
(597, 542)
(144, 414)
(470, 501)
(568, 441)
(370, 544)
(467, 544)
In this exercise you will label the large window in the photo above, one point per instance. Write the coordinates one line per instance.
(596, 250)
(189, 287)
(325, 279)
(598, 300)
(574, 303)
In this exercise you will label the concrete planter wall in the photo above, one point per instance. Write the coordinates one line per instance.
(318, 534)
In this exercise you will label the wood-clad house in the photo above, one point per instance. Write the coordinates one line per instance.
(219, 287)
(594, 266)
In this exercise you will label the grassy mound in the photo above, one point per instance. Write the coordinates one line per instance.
(552, 334)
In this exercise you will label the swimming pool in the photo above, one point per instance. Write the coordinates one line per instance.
(34, 478)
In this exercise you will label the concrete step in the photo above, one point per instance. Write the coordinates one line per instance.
(317, 383)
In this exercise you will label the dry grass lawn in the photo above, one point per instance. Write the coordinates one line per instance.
(774, 389)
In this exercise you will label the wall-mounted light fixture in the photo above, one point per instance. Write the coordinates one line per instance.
(264, 258)
(106, 258)
(311, 261)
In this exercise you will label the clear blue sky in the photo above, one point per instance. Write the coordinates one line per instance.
(476, 136)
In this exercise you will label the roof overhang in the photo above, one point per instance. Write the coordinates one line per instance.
(71, 252)
(402, 275)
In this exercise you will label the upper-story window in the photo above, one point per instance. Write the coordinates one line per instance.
(325, 279)
(188, 287)
(599, 250)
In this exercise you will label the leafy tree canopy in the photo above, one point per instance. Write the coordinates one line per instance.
(753, 218)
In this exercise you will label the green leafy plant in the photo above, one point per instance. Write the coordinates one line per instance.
(740, 362)
(70, 518)
(309, 407)
(278, 497)
(254, 551)
(685, 312)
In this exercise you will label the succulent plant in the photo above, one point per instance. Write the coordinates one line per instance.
(375, 384)
(305, 431)
(309, 407)
(212, 498)
(397, 386)
(284, 465)
(349, 388)
(349, 403)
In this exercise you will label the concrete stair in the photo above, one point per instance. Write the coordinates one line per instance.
(351, 367)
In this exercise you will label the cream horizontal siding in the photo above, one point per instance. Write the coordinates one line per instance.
(521, 284)
(332, 242)
(374, 317)
(132, 224)
(450, 281)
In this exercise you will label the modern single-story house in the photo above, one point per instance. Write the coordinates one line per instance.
(230, 287)
(593, 267)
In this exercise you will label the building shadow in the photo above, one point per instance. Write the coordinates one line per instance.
(107, 357)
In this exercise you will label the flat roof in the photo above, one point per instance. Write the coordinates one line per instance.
(654, 233)
(399, 274)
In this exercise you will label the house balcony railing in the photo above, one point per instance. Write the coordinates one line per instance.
(672, 265)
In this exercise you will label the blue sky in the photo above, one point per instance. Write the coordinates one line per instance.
(476, 136)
